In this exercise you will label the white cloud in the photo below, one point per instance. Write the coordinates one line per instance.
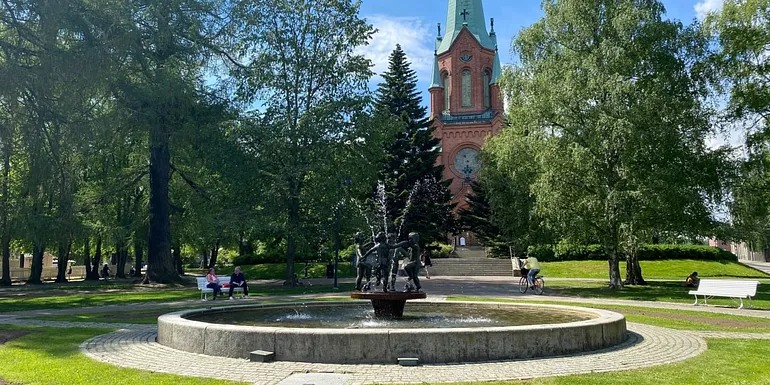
(704, 7)
(414, 36)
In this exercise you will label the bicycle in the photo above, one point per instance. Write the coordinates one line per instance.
(539, 285)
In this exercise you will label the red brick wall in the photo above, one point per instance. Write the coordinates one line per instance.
(456, 137)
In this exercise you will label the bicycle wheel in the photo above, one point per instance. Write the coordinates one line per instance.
(523, 285)
(539, 285)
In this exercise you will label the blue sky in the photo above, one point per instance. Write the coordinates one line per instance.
(412, 23)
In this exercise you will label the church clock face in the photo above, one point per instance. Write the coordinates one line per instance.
(466, 162)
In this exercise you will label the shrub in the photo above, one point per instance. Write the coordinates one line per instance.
(543, 253)
(699, 252)
(570, 252)
(439, 250)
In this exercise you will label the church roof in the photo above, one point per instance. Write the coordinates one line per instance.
(436, 73)
(497, 70)
(466, 14)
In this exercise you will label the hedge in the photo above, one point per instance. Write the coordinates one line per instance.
(568, 252)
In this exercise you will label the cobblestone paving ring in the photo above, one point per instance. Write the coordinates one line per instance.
(646, 346)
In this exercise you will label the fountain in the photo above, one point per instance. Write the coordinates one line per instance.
(346, 332)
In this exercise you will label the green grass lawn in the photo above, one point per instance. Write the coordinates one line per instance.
(278, 270)
(51, 357)
(666, 269)
(102, 299)
(726, 362)
(661, 291)
(669, 318)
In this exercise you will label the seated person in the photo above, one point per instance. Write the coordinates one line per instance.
(213, 282)
(692, 280)
(238, 280)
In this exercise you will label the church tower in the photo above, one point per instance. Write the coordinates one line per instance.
(465, 100)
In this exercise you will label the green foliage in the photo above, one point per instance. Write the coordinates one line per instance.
(440, 250)
(742, 32)
(696, 252)
(571, 252)
(316, 127)
(417, 197)
(278, 270)
(568, 252)
(610, 165)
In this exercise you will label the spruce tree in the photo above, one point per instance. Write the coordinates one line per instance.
(478, 217)
(410, 167)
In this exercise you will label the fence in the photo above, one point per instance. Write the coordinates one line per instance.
(50, 273)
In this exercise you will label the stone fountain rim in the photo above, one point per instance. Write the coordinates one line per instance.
(179, 318)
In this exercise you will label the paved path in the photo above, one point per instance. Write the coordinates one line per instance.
(761, 266)
(437, 288)
(134, 346)
(647, 346)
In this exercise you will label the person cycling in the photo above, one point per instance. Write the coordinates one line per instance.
(533, 265)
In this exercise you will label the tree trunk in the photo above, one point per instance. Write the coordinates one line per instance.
(5, 238)
(92, 269)
(633, 269)
(98, 256)
(36, 270)
(178, 259)
(64, 255)
(214, 255)
(138, 256)
(121, 260)
(160, 264)
(614, 265)
(293, 228)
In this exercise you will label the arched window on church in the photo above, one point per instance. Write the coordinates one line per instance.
(467, 98)
(446, 92)
(485, 84)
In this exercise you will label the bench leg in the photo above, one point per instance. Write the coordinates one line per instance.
(741, 307)
(696, 300)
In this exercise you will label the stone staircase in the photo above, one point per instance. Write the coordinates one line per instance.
(470, 261)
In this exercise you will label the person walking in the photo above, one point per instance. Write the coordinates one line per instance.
(426, 262)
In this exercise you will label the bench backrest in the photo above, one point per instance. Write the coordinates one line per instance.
(728, 286)
(202, 282)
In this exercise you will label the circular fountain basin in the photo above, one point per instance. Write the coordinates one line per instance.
(347, 332)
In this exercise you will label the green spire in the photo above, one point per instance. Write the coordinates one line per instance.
(465, 14)
(497, 70)
(436, 73)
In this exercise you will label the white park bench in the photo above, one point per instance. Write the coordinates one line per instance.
(203, 283)
(730, 288)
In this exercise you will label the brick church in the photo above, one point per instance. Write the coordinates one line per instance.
(465, 100)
